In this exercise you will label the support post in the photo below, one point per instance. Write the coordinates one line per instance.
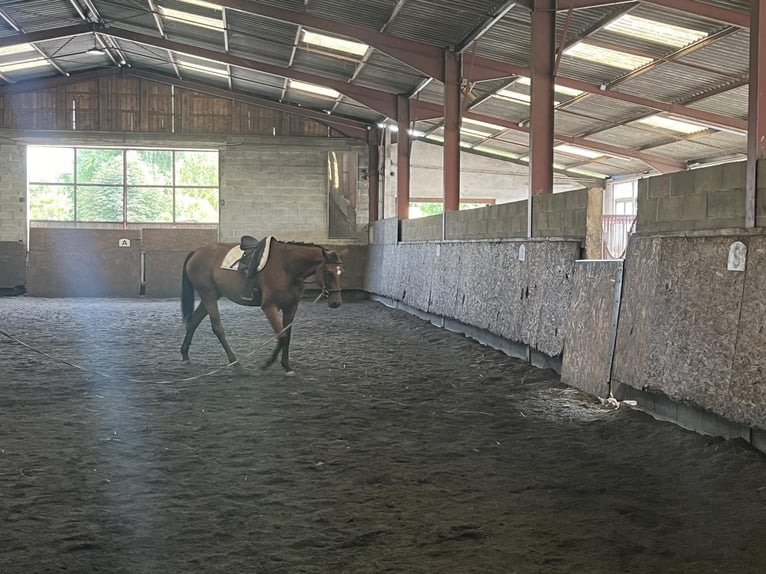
(756, 118)
(541, 116)
(373, 174)
(403, 147)
(451, 167)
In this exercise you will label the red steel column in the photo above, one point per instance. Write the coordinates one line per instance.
(756, 118)
(451, 166)
(373, 174)
(541, 115)
(403, 147)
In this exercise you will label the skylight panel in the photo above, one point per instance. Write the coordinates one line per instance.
(497, 152)
(586, 173)
(517, 97)
(202, 68)
(582, 152)
(486, 125)
(514, 96)
(193, 19)
(23, 65)
(17, 49)
(474, 133)
(607, 56)
(314, 89)
(524, 81)
(653, 31)
(331, 43)
(203, 4)
(671, 124)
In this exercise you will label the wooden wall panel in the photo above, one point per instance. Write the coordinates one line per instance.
(84, 263)
(83, 97)
(200, 113)
(41, 110)
(125, 104)
(156, 107)
(119, 104)
(252, 120)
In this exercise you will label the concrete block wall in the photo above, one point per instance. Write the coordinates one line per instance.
(575, 214)
(384, 231)
(279, 187)
(13, 215)
(502, 221)
(422, 229)
(560, 214)
(702, 199)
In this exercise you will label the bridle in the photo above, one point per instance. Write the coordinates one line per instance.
(324, 291)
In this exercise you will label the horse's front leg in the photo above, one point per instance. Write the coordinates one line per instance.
(288, 314)
(211, 303)
(272, 314)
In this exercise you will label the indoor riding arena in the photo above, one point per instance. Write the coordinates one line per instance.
(464, 287)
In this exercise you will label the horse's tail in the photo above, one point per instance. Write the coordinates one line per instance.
(187, 292)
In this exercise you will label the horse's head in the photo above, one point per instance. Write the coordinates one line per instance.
(328, 278)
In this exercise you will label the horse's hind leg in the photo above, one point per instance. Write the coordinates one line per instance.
(211, 303)
(191, 326)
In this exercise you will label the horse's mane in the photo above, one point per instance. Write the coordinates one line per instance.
(334, 256)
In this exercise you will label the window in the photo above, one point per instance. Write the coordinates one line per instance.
(122, 185)
(425, 207)
(624, 197)
(342, 196)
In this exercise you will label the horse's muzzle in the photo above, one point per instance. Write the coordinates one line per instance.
(334, 300)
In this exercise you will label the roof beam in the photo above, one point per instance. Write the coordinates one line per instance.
(718, 13)
(480, 68)
(485, 26)
(12, 23)
(427, 58)
(731, 16)
(663, 164)
(382, 102)
(42, 35)
(677, 109)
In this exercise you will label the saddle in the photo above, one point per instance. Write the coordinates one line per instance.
(252, 252)
(252, 261)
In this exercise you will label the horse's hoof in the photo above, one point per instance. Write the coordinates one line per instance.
(290, 373)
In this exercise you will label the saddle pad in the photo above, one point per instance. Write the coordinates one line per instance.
(235, 254)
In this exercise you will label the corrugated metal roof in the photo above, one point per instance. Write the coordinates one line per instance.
(731, 103)
(672, 82)
(440, 23)
(382, 72)
(306, 60)
(373, 14)
(709, 76)
(34, 15)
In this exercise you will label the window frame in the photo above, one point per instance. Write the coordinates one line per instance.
(175, 187)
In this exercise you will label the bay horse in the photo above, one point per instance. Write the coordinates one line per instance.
(280, 284)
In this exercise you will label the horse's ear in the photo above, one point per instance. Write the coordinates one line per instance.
(331, 257)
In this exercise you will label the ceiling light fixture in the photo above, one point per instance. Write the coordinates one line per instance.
(95, 50)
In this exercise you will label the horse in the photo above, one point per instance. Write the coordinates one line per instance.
(277, 287)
